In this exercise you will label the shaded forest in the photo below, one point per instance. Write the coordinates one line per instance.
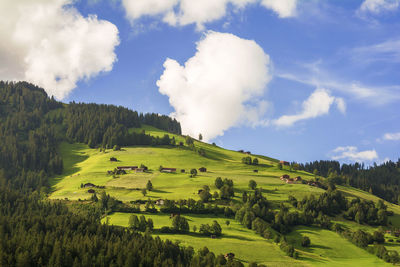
(381, 180)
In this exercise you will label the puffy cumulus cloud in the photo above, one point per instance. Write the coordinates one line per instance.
(351, 153)
(51, 44)
(317, 104)
(378, 6)
(184, 12)
(392, 136)
(219, 87)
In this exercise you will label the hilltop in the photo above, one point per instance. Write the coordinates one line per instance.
(61, 187)
(83, 165)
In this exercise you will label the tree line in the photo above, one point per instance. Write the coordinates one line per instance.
(381, 180)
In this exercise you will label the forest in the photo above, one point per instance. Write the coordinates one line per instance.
(381, 180)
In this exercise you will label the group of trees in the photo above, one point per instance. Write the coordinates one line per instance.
(225, 188)
(140, 224)
(213, 229)
(381, 180)
(332, 203)
(185, 206)
(367, 212)
(249, 161)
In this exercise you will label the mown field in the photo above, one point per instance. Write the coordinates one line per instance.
(83, 165)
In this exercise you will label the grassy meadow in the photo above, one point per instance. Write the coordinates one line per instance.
(83, 165)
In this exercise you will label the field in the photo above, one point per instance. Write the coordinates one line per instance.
(84, 165)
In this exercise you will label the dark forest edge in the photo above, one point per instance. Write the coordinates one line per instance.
(381, 180)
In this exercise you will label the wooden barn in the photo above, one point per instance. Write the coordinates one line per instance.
(127, 168)
(88, 185)
(285, 176)
(168, 170)
(297, 179)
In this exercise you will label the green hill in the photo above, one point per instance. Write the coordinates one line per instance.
(85, 165)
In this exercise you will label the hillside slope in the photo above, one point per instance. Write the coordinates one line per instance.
(84, 165)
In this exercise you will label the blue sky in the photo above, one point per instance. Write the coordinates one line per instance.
(295, 80)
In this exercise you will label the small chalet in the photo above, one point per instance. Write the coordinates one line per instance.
(297, 179)
(88, 185)
(290, 181)
(127, 168)
(160, 202)
(230, 256)
(113, 159)
(91, 191)
(285, 176)
(168, 170)
(284, 162)
(202, 169)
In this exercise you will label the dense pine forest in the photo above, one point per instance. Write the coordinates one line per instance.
(37, 232)
(381, 180)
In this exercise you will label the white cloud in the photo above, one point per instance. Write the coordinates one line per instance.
(284, 8)
(185, 12)
(51, 44)
(219, 87)
(378, 6)
(317, 104)
(392, 136)
(351, 153)
(387, 51)
(138, 8)
(373, 95)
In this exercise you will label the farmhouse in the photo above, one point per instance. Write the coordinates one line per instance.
(297, 179)
(127, 168)
(290, 181)
(285, 176)
(168, 170)
(284, 162)
(88, 185)
(230, 256)
(202, 169)
(160, 202)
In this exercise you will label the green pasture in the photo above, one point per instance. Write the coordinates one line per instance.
(246, 245)
(83, 165)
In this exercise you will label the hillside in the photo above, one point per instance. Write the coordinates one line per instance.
(84, 165)
(64, 202)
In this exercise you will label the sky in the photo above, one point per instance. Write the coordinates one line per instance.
(297, 80)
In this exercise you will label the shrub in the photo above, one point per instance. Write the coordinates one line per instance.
(305, 241)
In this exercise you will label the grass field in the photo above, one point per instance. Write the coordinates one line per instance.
(83, 165)
(246, 245)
